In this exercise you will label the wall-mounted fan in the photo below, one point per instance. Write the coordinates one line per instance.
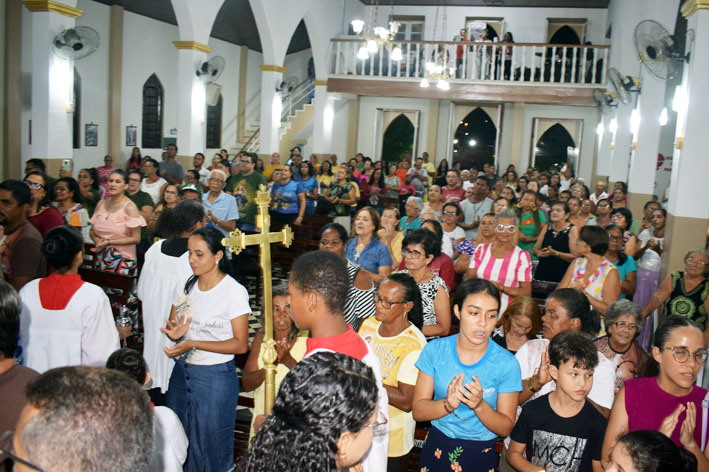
(287, 86)
(657, 49)
(623, 85)
(76, 43)
(211, 70)
(605, 100)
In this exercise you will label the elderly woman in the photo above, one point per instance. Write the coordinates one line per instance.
(419, 248)
(591, 272)
(365, 249)
(685, 293)
(290, 348)
(623, 320)
(411, 221)
(521, 321)
(502, 262)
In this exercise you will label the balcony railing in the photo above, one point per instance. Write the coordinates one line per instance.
(514, 63)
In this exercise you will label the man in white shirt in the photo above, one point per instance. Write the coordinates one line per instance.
(600, 192)
(198, 163)
(475, 207)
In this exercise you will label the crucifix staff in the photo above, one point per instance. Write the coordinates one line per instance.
(236, 242)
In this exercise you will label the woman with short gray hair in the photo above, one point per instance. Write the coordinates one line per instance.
(685, 293)
(622, 320)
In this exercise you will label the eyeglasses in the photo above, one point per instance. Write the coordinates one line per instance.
(33, 185)
(506, 228)
(450, 213)
(386, 304)
(681, 354)
(214, 179)
(415, 255)
(603, 205)
(18, 460)
(380, 427)
(623, 325)
(689, 260)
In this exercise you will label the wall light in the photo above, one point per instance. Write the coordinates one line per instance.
(679, 101)
(599, 129)
(663, 116)
(472, 143)
(613, 126)
(634, 121)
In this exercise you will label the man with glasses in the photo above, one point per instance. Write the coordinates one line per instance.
(21, 258)
(143, 202)
(244, 187)
(84, 415)
(220, 207)
(475, 206)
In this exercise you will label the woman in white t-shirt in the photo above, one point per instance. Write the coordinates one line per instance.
(451, 230)
(209, 321)
(152, 184)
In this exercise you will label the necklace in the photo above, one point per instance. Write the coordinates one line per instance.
(555, 233)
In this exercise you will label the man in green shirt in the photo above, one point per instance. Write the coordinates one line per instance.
(244, 187)
(143, 201)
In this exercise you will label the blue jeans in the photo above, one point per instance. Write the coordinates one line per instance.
(204, 397)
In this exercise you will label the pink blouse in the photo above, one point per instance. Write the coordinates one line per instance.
(115, 225)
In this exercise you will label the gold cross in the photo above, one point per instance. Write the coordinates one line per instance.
(236, 242)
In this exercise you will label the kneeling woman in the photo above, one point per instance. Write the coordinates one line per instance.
(209, 321)
(467, 387)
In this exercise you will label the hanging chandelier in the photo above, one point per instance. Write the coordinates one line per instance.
(375, 36)
(438, 71)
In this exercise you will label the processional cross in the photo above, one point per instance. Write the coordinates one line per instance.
(236, 242)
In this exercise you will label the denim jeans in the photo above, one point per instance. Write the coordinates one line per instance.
(204, 397)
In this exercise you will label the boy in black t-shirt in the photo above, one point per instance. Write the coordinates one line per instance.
(562, 431)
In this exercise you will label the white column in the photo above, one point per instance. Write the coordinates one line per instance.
(603, 156)
(323, 119)
(52, 82)
(622, 143)
(271, 107)
(688, 212)
(191, 106)
(643, 163)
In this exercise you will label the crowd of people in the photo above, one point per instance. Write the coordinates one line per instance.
(418, 310)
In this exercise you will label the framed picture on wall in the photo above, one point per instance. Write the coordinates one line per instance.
(131, 135)
(91, 136)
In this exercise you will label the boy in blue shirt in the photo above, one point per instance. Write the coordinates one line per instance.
(562, 431)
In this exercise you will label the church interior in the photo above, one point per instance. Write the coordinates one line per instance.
(595, 90)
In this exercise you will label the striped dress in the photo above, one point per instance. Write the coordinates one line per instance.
(516, 267)
(359, 303)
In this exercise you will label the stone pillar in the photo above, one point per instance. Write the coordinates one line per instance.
(643, 161)
(52, 81)
(688, 212)
(271, 107)
(323, 119)
(621, 144)
(191, 105)
(115, 83)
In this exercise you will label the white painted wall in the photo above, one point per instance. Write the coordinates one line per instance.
(253, 89)
(528, 25)
(297, 64)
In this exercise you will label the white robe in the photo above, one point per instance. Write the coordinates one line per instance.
(160, 275)
(83, 333)
(171, 442)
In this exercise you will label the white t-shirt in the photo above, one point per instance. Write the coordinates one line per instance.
(211, 312)
(153, 189)
(204, 174)
(474, 211)
(160, 276)
(454, 236)
(170, 441)
(83, 333)
(468, 184)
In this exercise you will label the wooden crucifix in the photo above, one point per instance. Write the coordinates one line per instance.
(236, 242)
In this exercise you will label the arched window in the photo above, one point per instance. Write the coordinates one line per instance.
(152, 113)
(398, 138)
(214, 124)
(76, 115)
(475, 140)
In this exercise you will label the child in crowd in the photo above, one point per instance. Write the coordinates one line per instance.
(562, 431)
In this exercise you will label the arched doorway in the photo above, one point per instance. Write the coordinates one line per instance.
(475, 140)
(398, 139)
(565, 35)
(555, 147)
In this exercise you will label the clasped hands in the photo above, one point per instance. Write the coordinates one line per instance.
(468, 393)
(686, 432)
(175, 330)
